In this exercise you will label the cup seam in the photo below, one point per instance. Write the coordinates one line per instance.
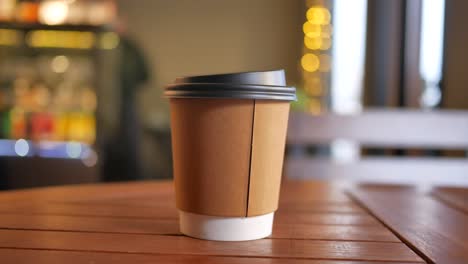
(250, 159)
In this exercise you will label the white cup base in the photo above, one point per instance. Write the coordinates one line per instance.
(225, 228)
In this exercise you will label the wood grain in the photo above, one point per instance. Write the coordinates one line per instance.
(91, 192)
(15, 256)
(169, 202)
(289, 206)
(313, 191)
(181, 245)
(89, 209)
(320, 207)
(171, 227)
(435, 230)
(453, 197)
(291, 190)
(326, 218)
(334, 232)
(169, 212)
(138, 223)
(90, 224)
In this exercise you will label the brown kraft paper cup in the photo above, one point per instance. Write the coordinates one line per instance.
(228, 139)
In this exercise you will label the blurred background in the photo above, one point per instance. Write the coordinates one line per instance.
(81, 82)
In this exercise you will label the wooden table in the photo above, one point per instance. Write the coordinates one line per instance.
(317, 222)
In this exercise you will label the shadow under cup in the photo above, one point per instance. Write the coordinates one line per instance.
(228, 139)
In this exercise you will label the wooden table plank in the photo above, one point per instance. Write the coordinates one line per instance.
(454, 197)
(15, 256)
(320, 207)
(46, 208)
(91, 192)
(438, 232)
(334, 232)
(291, 191)
(315, 221)
(90, 224)
(320, 196)
(170, 212)
(169, 201)
(157, 203)
(279, 248)
(312, 191)
(326, 219)
(171, 227)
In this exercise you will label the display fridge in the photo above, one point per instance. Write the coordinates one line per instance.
(51, 83)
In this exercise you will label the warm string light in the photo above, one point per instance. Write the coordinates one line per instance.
(316, 61)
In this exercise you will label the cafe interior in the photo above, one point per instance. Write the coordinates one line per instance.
(233, 131)
(381, 85)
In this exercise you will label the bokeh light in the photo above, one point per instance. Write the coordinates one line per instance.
(60, 39)
(311, 30)
(325, 63)
(325, 44)
(313, 43)
(314, 106)
(313, 86)
(109, 40)
(326, 31)
(53, 12)
(315, 62)
(59, 64)
(9, 37)
(310, 62)
(21, 147)
(73, 149)
(318, 15)
(314, 91)
(89, 158)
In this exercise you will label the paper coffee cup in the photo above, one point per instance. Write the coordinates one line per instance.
(228, 139)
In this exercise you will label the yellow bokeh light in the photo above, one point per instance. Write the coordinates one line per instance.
(311, 30)
(326, 44)
(318, 15)
(315, 80)
(310, 62)
(60, 39)
(313, 43)
(315, 106)
(314, 90)
(308, 76)
(9, 37)
(325, 63)
(313, 86)
(109, 40)
(326, 31)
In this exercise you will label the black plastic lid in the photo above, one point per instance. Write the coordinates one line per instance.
(266, 85)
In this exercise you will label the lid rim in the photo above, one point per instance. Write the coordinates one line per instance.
(227, 90)
(272, 77)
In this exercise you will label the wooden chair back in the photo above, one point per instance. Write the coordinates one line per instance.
(417, 129)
